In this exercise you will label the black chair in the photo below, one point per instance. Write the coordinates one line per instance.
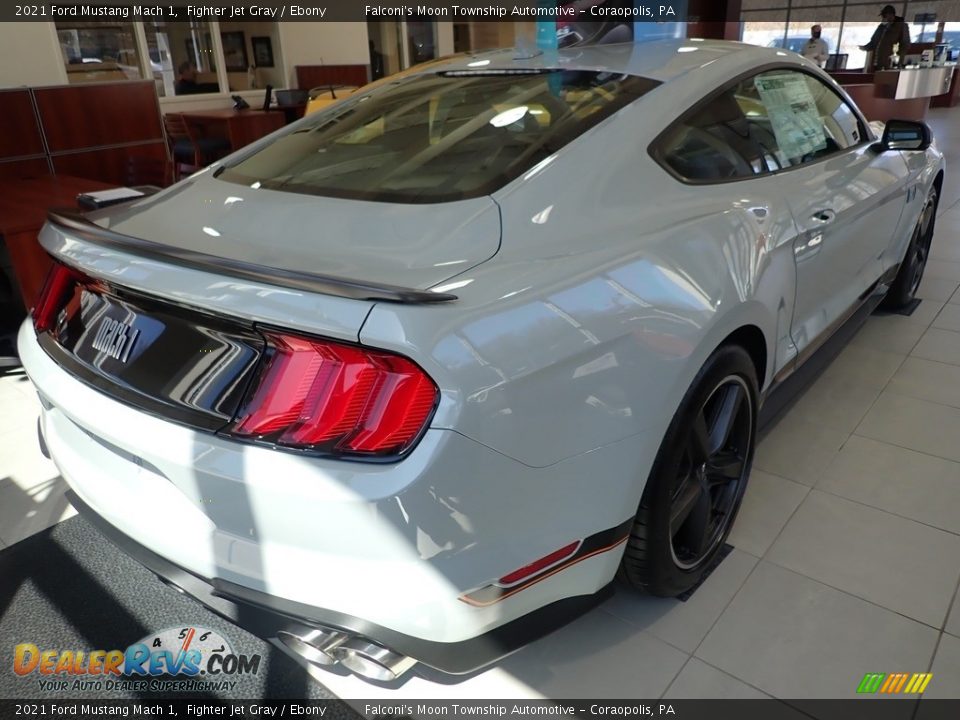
(190, 149)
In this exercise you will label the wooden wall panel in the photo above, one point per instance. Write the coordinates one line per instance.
(24, 168)
(19, 132)
(311, 76)
(108, 165)
(83, 116)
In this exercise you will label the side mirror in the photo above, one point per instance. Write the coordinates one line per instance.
(906, 135)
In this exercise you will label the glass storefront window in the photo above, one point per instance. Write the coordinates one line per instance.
(950, 37)
(828, 18)
(856, 34)
(763, 32)
(182, 58)
(850, 23)
(99, 51)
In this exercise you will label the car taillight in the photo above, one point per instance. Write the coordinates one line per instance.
(326, 396)
(57, 290)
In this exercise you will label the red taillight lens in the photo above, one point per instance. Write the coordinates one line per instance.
(57, 290)
(323, 395)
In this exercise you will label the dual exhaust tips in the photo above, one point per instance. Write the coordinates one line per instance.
(326, 647)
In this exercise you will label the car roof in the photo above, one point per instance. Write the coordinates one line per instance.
(662, 60)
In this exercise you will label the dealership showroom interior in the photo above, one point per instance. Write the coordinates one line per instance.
(560, 350)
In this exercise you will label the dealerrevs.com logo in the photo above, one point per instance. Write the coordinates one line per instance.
(186, 658)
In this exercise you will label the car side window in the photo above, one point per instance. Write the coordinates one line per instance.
(715, 142)
(768, 122)
(804, 117)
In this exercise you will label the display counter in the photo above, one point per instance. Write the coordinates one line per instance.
(903, 94)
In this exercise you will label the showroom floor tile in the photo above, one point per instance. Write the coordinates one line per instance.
(793, 637)
(779, 452)
(851, 547)
(928, 380)
(699, 680)
(768, 505)
(944, 670)
(872, 473)
(847, 548)
(948, 318)
(685, 624)
(915, 424)
(953, 621)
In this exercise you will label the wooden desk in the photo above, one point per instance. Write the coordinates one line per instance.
(23, 210)
(241, 127)
(291, 113)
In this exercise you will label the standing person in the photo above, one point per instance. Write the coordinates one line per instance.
(816, 49)
(891, 31)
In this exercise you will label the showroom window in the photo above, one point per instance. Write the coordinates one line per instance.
(847, 24)
(182, 58)
(99, 51)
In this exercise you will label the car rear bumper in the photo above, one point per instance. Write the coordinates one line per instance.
(394, 552)
(267, 616)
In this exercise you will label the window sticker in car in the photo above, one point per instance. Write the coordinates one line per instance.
(793, 114)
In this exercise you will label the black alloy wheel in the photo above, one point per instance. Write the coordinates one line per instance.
(921, 240)
(905, 285)
(697, 480)
(712, 474)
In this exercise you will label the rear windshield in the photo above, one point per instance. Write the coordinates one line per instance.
(436, 138)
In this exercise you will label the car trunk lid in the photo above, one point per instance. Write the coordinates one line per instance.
(401, 245)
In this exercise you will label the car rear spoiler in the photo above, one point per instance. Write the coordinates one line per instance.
(75, 224)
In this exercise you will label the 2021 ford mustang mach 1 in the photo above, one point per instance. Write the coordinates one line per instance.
(417, 377)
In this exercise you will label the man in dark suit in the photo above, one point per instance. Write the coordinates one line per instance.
(891, 31)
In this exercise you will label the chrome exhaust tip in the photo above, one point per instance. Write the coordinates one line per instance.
(315, 646)
(372, 661)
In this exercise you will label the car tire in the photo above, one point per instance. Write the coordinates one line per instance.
(904, 287)
(698, 479)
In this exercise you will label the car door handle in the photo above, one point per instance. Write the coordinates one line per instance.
(824, 216)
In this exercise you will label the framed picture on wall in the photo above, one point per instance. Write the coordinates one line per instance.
(262, 52)
(234, 51)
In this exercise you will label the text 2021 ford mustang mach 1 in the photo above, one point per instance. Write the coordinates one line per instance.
(418, 377)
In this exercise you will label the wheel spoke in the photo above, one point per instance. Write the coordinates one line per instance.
(926, 217)
(699, 440)
(693, 532)
(724, 467)
(690, 493)
(725, 419)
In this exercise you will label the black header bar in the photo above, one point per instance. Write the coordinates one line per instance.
(874, 708)
(353, 11)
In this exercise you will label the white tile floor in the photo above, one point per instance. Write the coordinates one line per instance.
(847, 554)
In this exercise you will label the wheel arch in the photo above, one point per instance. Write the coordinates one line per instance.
(751, 338)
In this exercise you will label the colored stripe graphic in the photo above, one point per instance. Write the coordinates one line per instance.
(871, 682)
(894, 683)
